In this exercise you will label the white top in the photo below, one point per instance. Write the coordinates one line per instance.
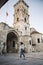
(21, 47)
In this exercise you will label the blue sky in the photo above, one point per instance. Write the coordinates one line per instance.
(35, 11)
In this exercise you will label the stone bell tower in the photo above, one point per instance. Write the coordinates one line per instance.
(21, 17)
(21, 20)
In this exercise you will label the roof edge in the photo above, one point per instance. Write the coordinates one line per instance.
(21, 1)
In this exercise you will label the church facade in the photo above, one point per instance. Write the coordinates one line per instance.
(20, 32)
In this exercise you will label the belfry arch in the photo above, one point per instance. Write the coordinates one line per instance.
(12, 42)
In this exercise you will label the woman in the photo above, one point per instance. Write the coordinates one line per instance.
(22, 50)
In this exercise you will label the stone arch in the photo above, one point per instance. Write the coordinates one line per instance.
(12, 41)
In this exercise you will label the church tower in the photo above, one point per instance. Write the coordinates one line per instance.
(21, 17)
(21, 20)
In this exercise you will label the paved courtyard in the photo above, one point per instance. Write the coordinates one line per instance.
(13, 59)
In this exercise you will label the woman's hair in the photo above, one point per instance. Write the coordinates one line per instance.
(21, 43)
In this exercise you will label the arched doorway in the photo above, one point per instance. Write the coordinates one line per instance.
(12, 45)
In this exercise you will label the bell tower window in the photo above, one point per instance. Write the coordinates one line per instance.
(25, 19)
(17, 10)
(17, 19)
(25, 28)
